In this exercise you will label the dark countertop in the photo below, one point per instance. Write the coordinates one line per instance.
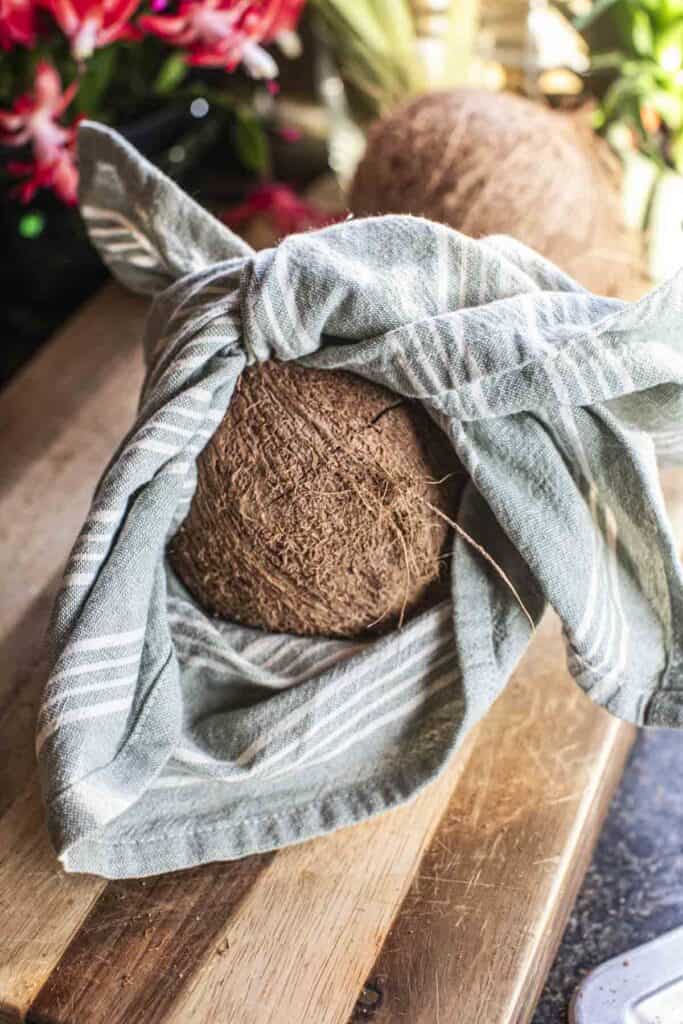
(633, 890)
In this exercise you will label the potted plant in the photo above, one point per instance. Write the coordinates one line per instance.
(190, 82)
(640, 80)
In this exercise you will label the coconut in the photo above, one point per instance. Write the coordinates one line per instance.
(494, 163)
(321, 507)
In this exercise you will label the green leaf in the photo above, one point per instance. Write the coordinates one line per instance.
(676, 148)
(669, 48)
(669, 11)
(617, 97)
(653, 6)
(374, 46)
(251, 142)
(397, 22)
(607, 60)
(669, 107)
(171, 74)
(361, 21)
(641, 33)
(96, 79)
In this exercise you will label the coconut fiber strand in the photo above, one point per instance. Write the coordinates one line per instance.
(494, 163)
(168, 737)
(317, 506)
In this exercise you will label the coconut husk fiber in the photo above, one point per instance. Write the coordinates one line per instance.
(494, 163)
(314, 511)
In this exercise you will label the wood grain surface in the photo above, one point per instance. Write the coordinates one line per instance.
(492, 893)
(60, 420)
(111, 969)
(447, 909)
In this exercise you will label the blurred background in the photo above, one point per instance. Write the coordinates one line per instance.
(261, 107)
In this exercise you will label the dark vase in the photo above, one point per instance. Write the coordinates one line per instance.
(48, 267)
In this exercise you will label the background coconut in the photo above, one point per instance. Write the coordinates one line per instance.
(494, 163)
(315, 506)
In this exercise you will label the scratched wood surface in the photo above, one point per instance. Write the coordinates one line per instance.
(448, 909)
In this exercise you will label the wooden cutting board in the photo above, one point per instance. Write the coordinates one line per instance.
(449, 909)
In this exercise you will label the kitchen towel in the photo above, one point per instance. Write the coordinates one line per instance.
(167, 738)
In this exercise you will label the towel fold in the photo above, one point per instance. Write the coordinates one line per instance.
(167, 738)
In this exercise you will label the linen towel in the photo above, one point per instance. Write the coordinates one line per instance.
(167, 738)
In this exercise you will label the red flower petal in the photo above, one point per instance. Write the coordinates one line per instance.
(286, 210)
(166, 26)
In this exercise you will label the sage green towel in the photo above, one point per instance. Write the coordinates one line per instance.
(167, 738)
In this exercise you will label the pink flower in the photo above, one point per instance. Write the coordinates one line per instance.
(290, 134)
(89, 24)
(225, 33)
(17, 23)
(33, 120)
(287, 211)
(61, 175)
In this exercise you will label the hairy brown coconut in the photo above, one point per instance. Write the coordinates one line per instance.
(494, 163)
(319, 506)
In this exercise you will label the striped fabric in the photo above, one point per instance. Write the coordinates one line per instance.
(167, 738)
